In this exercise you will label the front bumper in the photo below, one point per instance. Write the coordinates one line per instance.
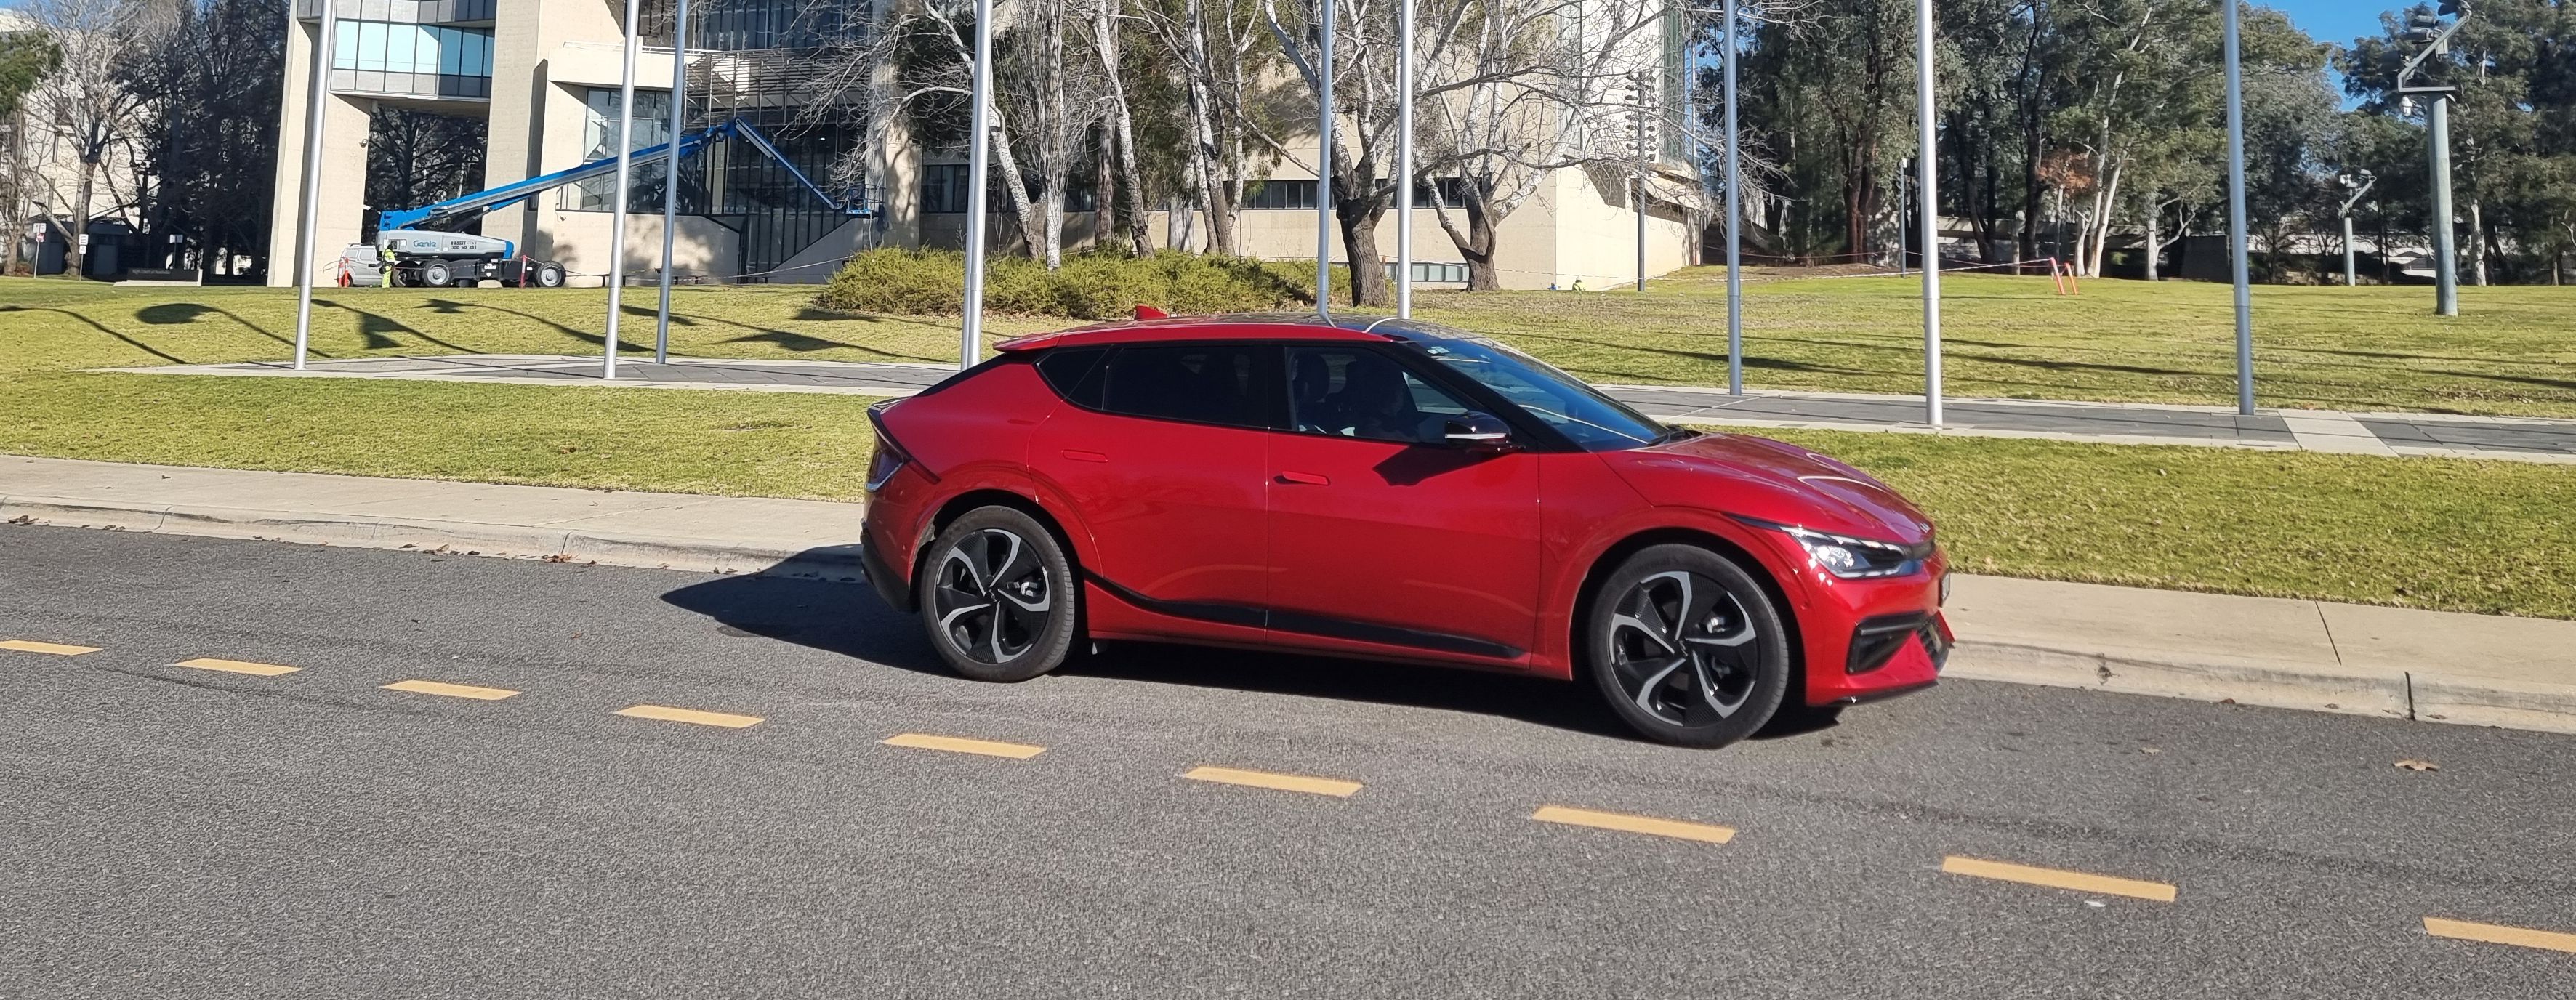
(1871, 639)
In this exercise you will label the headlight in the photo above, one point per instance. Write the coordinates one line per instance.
(1853, 558)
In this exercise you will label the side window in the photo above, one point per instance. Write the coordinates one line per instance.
(1073, 373)
(1200, 383)
(1360, 393)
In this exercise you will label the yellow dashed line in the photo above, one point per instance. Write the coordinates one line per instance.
(2500, 934)
(1635, 824)
(451, 690)
(2058, 879)
(48, 648)
(1282, 782)
(955, 744)
(236, 666)
(689, 715)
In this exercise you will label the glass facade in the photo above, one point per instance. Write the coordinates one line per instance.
(754, 25)
(416, 60)
(599, 141)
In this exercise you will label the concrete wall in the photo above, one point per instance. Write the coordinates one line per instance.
(343, 205)
(579, 240)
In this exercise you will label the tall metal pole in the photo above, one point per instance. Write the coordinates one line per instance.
(979, 139)
(308, 231)
(2446, 261)
(671, 176)
(1404, 159)
(2348, 279)
(1324, 167)
(1734, 226)
(1902, 186)
(1639, 82)
(2236, 216)
(1926, 163)
(625, 189)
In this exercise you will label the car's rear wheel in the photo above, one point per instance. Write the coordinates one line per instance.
(998, 596)
(1686, 647)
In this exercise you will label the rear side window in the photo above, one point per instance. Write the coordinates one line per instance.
(1200, 383)
(1074, 373)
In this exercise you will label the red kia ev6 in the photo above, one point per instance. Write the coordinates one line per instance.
(1395, 490)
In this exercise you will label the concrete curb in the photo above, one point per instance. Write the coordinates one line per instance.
(2424, 695)
(508, 541)
(2431, 695)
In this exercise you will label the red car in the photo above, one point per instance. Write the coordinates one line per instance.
(1396, 490)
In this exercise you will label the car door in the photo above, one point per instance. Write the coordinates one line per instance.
(1161, 458)
(1384, 538)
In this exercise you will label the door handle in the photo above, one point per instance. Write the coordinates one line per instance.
(1304, 479)
(1080, 455)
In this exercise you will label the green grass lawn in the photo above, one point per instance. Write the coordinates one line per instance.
(2453, 535)
(2443, 534)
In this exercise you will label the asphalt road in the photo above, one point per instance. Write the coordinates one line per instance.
(191, 832)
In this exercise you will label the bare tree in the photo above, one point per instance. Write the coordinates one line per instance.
(92, 103)
(1218, 50)
(1118, 131)
(1547, 85)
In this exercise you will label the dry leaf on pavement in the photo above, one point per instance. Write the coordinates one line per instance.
(2419, 765)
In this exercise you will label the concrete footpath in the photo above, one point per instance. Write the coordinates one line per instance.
(2427, 665)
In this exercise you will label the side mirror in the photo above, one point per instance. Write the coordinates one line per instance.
(1479, 431)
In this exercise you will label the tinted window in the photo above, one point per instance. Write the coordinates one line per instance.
(1360, 393)
(1202, 383)
(1593, 421)
(1073, 374)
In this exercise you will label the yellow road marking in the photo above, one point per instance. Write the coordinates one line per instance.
(50, 648)
(955, 744)
(689, 715)
(237, 666)
(1282, 782)
(2057, 879)
(2500, 934)
(451, 690)
(1634, 824)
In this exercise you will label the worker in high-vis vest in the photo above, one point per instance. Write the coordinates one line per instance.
(388, 264)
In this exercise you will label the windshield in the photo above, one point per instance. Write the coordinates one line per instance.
(1593, 421)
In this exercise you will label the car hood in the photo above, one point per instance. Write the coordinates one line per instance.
(1772, 481)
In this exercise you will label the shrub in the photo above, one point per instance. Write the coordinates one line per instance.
(1094, 285)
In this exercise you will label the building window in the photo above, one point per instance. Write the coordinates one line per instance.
(599, 142)
(1278, 194)
(1453, 193)
(943, 188)
(379, 57)
(1434, 272)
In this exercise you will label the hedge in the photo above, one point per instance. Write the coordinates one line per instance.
(1093, 286)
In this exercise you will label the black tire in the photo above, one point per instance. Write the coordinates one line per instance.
(437, 274)
(1686, 647)
(998, 596)
(550, 276)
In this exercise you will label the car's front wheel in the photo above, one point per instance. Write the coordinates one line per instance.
(1686, 647)
(998, 596)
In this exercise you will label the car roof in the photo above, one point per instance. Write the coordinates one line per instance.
(1237, 326)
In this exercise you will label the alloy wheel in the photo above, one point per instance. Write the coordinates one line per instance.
(992, 596)
(1682, 649)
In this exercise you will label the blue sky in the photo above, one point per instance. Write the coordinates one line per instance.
(2337, 21)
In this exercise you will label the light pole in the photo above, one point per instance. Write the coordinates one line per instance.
(2236, 216)
(625, 189)
(2359, 187)
(1926, 163)
(1734, 227)
(2426, 29)
(1404, 160)
(1637, 88)
(1324, 165)
(671, 177)
(970, 328)
(308, 228)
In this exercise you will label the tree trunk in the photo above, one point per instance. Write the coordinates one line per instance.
(1358, 218)
(2109, 200)
(2477, 244)
(2154, 249)
(75, 252)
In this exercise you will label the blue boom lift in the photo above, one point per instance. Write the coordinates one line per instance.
(425, 249)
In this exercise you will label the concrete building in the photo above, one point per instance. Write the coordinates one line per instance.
(545, 75)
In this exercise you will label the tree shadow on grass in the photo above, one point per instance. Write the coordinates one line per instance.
(102, 328)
